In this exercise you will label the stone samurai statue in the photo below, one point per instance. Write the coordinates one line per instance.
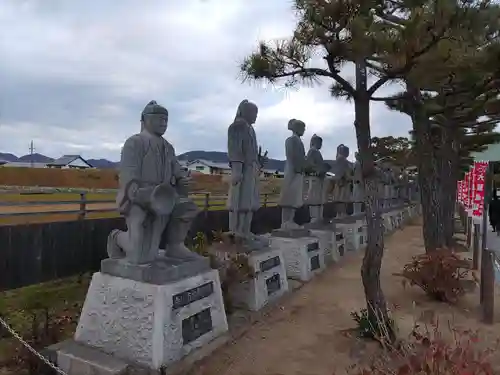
(316, 175)
(152, 195)
(291, 197)
(244, 195)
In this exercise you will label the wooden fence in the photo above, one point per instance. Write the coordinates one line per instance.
(206, 201)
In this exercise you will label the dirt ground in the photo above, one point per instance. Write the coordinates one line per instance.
(305, 333)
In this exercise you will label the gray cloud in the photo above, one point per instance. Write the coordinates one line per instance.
(74, 76)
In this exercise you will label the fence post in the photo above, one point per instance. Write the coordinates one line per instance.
(487, 286)
(469, 231)
(206, 205)
(475, 246)
(265, 200)
(83, 206)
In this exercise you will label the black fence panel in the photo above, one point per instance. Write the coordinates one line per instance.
(34, 253)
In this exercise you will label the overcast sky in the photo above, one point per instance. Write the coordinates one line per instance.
(75, 76)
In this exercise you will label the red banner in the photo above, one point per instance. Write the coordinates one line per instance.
(480, 168)
(467, 189)
(464, 189)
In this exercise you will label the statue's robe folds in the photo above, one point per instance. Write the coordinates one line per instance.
(146, 162)
(342, 187)
(242, 148)
(316, 178)
(292, 188)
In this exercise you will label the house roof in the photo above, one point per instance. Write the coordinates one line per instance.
(22, 164)
(66, 159)
(210, 163)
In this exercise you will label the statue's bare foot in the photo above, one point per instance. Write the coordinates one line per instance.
(114, 251)
(181, 251)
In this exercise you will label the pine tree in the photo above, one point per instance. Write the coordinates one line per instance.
(380, 39)
(456, 120)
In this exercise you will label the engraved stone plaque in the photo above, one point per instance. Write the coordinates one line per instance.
(196, 326)
(269, 263)
(189, 296)
(273, 284)
(315, 262)
(313, 246)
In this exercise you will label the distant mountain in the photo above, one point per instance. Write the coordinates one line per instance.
(7, 157)
(221, 157)
(35, 158)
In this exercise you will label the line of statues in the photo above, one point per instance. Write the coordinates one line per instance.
(153, 188)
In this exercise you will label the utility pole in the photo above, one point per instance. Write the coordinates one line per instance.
(32, 149)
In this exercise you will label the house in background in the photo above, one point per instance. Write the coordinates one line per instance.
(70, 161)
(272, 173)
(208, 167)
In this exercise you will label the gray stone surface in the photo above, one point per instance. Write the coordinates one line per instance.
(143, 323)
(254, 294)
(152, 194)
(160, 271)
(243, 154)
(326, 238)
(317, 182)
(291, 195)
(77, 359)
(299, 256)
(291, 233)
(343, 175)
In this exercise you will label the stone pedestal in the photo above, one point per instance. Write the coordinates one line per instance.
(354, 234)
(339, 244)
(303, 256)
(269, 283)
(348, 232)
(151, 325)
(361, 235)
(386, 219)
(326, 240)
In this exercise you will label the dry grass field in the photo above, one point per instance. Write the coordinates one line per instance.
(20, 211)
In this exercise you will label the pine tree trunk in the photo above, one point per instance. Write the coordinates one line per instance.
(449, 160)
(429, 178)
(372, 261)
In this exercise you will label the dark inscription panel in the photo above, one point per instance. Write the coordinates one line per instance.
(192, 295)
(341, 250)
(312, 246)
(360, 229)
(273, 284)
(314, 262)
(196, 326)
(361, 240)
(270, 263)
(339, 236)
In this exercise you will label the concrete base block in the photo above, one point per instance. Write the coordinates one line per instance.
(151, 325)
(270, 281)
(77, 359)
(303, 256)
(326, 242)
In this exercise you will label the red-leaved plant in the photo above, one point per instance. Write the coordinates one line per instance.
(428, 353)
(441, 273)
